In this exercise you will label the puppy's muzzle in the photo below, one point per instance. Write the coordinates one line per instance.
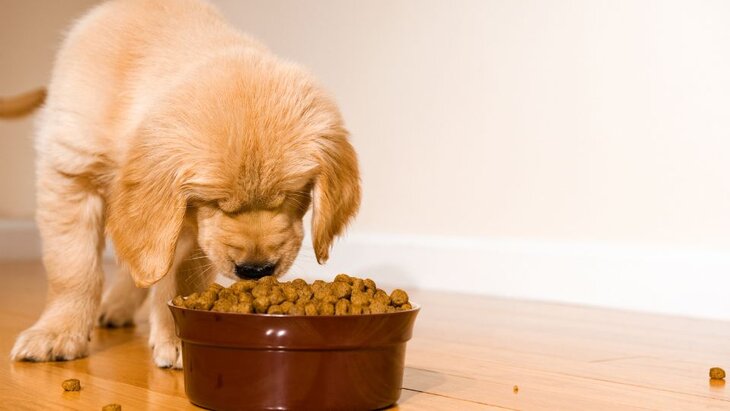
(254, 271)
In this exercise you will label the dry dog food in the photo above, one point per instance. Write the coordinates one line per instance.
(717, 373)
(71, 385)
(344, 296)
(111, 407)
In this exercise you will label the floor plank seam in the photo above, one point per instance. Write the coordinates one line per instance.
(617, 359)
(584, 378)
(459, 399)
(639, 386)
(441, 372)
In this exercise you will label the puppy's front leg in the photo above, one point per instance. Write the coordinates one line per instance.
(166, 350)
(70, 217)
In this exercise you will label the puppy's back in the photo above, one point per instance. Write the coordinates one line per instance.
(120, 58)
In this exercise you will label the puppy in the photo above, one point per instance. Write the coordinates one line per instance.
(195, 149)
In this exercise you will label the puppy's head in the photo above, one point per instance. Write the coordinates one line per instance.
(239, 153)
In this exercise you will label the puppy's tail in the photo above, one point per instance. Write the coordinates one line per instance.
(22, 104)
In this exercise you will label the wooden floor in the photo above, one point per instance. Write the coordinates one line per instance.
(467, 354)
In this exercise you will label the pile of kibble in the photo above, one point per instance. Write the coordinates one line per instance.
(344, 296)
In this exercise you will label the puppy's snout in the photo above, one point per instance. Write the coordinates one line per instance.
(254, 271)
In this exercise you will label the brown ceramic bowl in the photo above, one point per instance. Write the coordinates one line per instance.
(283, 362)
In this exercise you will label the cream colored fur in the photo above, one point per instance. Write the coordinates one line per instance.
(191, 146)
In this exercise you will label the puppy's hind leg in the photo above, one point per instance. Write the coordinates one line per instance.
(121, 301)
(70, 217)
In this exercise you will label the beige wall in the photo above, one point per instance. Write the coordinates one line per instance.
(592, 120)
(30, 31)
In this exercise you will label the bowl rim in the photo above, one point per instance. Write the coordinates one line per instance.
(415, 307)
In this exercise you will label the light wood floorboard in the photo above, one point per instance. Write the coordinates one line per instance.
(467, 353)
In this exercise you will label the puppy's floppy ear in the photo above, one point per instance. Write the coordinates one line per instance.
(336, 192)
(146, 210)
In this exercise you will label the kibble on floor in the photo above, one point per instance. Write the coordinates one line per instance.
(71, 385)
(717, 373)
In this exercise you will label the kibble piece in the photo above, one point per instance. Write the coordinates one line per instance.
(268, 280)
(298, 309)
(243, 308)
(398, 297)
(381, 296)
(378, 307)
(275, 309)
(406, 306)
(299, 283)
(717, 373)
(71, 385)
(317, 284)
(111, 407)
(286, 306)
(515, 389)
(215, 287)
(343, 278)
(223, 306)
(190, 301)
(261, 290)
(358, 284)
(178, 301)
(330, 299)
(243, 285)
(322, 292)
(290, 292)
(355, 309)
(261, 304)
(227, 294)
(342, 307)
(360, 299)
(204, 301)
(305, 293)
(326, 309)
(245, 298)
(310, 309)
(277, 297)
(341, 289)
(369, 284)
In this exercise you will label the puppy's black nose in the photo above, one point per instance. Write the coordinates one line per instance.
(254, 271)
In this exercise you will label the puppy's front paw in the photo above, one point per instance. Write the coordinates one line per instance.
(41, 344)
(167, 353)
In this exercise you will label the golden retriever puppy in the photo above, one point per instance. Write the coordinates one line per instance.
(195, 149)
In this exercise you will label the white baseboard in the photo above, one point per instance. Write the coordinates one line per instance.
(683, 282)
(693, 283)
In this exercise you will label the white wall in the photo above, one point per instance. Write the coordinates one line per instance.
(588, 120)
(583, 124)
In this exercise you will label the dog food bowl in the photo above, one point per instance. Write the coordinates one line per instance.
(237, 361)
